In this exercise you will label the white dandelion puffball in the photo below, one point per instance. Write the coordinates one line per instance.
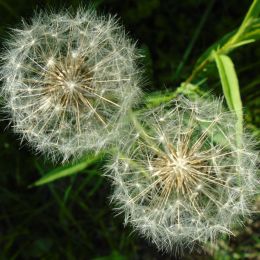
(181, 179)
(67, 81)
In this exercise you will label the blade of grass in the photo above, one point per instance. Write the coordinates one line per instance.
(67, 170)
(194, 39)
(66, 213)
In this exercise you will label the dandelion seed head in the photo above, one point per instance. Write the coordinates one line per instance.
(193, 186)
(68, 79)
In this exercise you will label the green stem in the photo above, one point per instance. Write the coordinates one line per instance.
(232, 43)
(148, 139)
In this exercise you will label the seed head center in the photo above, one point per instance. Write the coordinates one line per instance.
(180, 162)
(69, 82)
(176, 172)
(70, 85)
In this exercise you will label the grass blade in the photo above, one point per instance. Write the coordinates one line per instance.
(67, 170)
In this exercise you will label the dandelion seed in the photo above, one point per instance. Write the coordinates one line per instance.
(69, 84)
(193, 186)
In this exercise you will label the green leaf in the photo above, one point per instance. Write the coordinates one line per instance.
(67, 170)
(247, 33)
(253, 11)
(229, 83)
(253, 32)
(251, 15)
(230, 86)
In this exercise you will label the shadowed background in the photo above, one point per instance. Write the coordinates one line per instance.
(72, 218)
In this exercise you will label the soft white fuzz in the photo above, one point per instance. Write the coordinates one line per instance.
(68, 79)
(180, 177)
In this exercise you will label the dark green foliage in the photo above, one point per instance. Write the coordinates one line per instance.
(72, 218)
